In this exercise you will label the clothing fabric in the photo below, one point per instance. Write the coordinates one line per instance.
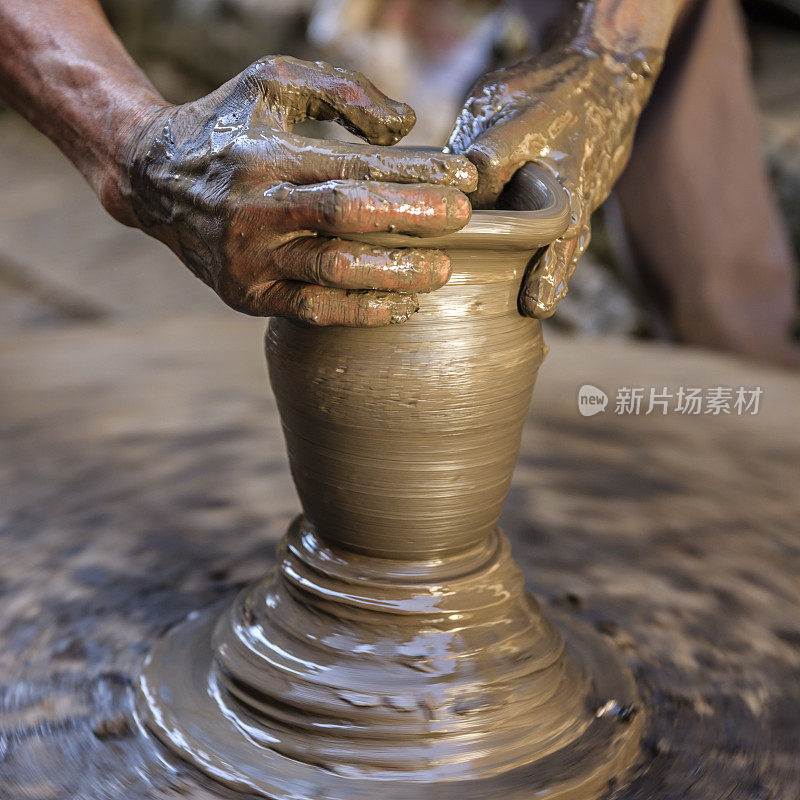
(696, 199)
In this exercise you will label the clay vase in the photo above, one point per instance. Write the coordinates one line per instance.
(395, 652)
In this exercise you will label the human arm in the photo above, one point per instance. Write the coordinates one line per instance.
(253, 209)
(573, 109)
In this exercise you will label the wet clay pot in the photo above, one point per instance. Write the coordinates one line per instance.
(395, 652)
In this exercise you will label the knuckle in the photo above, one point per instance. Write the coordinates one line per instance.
(334, 206)
(316, 269)
(327, 265)
(485, 159)
(280, 72)
(337, 264)
(264, 68)
(344, 73)
(233, 295)
(307, 306)
(252, 297)
(254, 78)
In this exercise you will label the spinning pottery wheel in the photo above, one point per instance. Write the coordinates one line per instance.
(395, 652)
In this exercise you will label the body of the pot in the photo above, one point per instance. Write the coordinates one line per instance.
(402, 440)
(394, 653)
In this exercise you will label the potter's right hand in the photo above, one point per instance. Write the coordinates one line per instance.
(256, 211)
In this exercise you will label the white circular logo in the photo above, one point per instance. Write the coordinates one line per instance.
(591, 400)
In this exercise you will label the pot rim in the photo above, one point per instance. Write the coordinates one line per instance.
(532, 187)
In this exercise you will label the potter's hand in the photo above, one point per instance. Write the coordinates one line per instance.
(252, 208)
(255, 210)
(573, 110)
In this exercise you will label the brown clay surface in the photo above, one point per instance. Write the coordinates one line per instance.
(143, 475)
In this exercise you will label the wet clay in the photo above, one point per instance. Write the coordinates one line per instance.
(395, 652)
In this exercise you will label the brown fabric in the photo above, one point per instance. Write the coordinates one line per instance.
(696, 200)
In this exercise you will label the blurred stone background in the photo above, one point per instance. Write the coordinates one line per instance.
(62, 259)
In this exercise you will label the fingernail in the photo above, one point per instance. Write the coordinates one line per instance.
(459, 211)
(420, 270)
(401, 307)
(385, 308)
(466, 175)
(399, 123)
(440, 268)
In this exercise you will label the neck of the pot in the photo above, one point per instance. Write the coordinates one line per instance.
(532, 212)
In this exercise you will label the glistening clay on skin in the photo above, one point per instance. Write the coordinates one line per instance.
(573, 109)
(253, 209)
(395, 653)
(257, 211)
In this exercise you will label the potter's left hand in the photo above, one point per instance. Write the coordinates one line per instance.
(573, 111)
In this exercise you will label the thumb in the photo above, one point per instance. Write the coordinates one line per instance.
(317, 90)
(497, 154)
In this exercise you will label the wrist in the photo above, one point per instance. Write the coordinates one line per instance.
(627, 75)
(625, 27)
(64, 69)
(110, 175)
(625, 38)
(631, 62)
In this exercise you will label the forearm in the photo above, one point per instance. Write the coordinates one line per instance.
(624, 27)
(63, 68)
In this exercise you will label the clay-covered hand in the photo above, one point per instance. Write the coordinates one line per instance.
(256, 211)
(573, 110)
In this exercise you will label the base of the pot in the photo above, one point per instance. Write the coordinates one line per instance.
(184, 704)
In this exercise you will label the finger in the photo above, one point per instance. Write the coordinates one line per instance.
(353, 265)
(497, 154)
(313, 161)
(502, 149)
(320, 305)
(353, 207)
(547, 284)
(318, 90)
